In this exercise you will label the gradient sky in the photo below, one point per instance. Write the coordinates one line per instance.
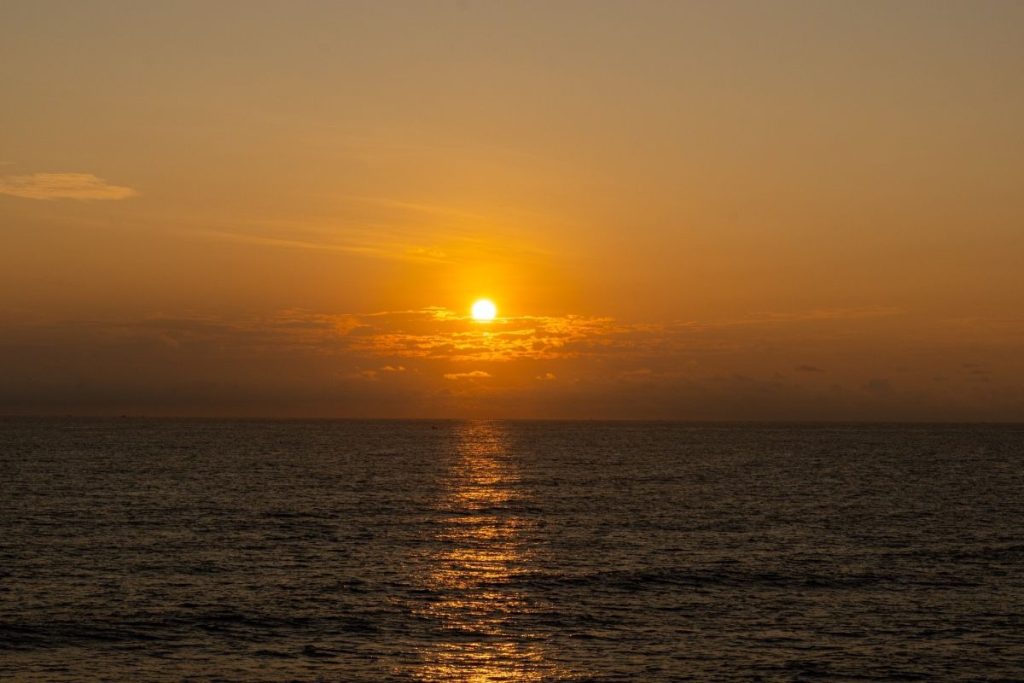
(695, 210)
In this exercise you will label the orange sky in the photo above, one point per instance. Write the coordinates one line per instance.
(739, 210)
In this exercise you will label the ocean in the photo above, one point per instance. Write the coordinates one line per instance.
(200, 550)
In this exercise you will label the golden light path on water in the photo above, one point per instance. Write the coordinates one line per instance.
(484, 549)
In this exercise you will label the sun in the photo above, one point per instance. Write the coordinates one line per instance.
(483, 310)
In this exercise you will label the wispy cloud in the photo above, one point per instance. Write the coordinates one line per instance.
(808, 368)
(379, 250)
(81, 186)
(474, 374)
(826, 314)
(389, 229)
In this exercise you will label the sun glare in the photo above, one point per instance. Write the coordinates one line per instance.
(483, 310)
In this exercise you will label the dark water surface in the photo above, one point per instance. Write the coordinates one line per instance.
(516, 551)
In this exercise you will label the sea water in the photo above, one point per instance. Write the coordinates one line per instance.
(176, 550)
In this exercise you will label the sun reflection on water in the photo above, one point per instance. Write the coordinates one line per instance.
(480, 611)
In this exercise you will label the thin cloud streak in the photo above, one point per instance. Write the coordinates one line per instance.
(383, 250)
(48, 186)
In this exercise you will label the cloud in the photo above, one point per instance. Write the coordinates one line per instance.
(807, 368)
(374, 375)
(399, 342)
(435, 362)
(878, 386)
(81, 186)
(475, 374)
(371, 249)
(384, 229)
(826, 314)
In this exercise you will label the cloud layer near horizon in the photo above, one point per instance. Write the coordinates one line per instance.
(434, 363)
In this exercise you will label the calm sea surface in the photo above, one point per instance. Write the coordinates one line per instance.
(509, 551)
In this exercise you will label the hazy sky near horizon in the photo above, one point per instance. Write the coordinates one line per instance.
(704, 210)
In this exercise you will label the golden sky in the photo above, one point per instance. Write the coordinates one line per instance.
(694, 210)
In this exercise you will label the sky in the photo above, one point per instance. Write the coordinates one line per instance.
(682, 210)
